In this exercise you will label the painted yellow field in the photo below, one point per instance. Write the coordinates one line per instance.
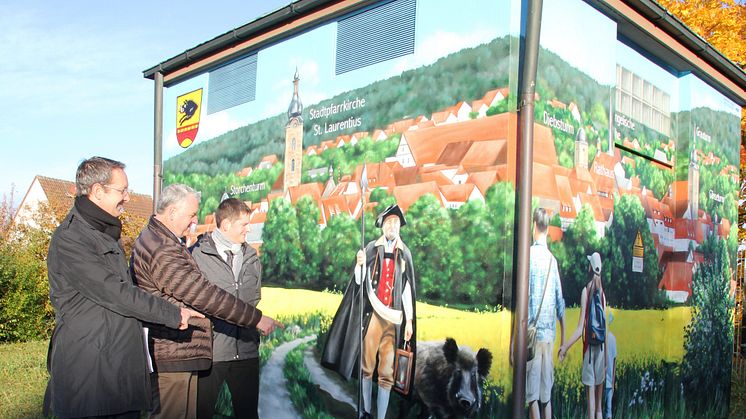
(283, 302)
(655, 334)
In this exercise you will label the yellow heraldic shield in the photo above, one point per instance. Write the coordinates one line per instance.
(188, 110)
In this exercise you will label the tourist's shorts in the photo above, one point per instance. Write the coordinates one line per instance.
(540, 374)
(594, 372)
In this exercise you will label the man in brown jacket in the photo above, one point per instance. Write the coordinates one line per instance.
(163, 266)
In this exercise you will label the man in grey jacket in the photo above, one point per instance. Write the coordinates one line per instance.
(226, 260)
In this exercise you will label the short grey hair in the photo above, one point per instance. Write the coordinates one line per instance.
(541, 218)
(92, 171)
(173, 194)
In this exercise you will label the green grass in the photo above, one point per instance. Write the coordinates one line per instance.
(303, 391)
(23, 379)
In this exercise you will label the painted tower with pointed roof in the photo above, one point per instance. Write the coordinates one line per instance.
(581, 149)
(693, 184)
(293, 139)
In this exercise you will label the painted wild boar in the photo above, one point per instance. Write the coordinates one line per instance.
(448, 379)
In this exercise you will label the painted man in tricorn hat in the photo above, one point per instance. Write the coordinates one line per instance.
(388, 313)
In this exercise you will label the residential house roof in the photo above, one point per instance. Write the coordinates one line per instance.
(60, 195)
(334, 205)
(443, 117)
(459, 193)
(406, 195)
(544, 183)
(271, 159)
(312, 190)
(677, 277)
(246, 171)
(567, 207)
(678, 197)
(555, 233)
(427, 144)
(491, 95)
(401, 126)
(483, 180)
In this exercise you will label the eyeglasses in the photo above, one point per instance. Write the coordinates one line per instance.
(123, 191)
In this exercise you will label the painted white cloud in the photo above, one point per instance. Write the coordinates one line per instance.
(282, 90)
(442, 43)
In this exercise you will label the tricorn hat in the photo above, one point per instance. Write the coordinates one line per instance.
(391, 210)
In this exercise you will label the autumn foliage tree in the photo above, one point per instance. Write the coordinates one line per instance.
(722, 23)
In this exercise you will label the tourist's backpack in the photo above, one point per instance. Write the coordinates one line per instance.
(595, 325)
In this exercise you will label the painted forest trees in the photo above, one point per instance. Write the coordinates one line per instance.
(708, 339)
(437, 260)
(579, 240)
(461, 256)
(309, 235)
(281, 256)
(626, 288)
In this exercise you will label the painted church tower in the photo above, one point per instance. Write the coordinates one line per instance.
(293, 139)
(693, 185)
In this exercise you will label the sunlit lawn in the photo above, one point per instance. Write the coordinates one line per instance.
(23, 379)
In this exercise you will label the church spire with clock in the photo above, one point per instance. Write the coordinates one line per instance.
(293, 139)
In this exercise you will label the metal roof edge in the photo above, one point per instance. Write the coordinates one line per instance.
(233, 37)
(653, 11)
(674, 27)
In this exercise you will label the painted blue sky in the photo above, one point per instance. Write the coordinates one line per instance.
(440, 30)
(72, 84)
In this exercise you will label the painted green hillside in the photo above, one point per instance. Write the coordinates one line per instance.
(462, 76)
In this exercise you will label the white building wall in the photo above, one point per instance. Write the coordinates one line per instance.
(30, 205)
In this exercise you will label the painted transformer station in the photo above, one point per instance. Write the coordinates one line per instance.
(322, 114)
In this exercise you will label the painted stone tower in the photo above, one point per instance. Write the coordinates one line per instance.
(693, 185)
(581, 149)
(293, 139)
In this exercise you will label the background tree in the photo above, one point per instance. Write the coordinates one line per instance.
(282, 259)
(580, 239)
(626, 288)
(436, 257)
(477, 284)
(310, 241)
(340, 242)
(500, 200)
(25, 310)
(708, 339)
(720, 22)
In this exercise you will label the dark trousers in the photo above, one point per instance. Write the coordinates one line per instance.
(243, 382)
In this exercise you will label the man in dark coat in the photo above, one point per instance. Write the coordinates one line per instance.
(97, 360)
(388, 313)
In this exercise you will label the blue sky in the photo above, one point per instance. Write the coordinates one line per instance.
(72, 84)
